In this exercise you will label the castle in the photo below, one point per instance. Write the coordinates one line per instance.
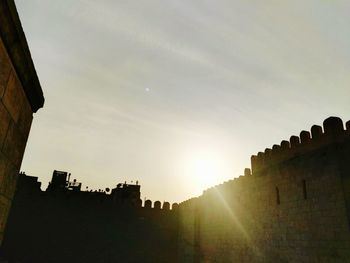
(293, 205)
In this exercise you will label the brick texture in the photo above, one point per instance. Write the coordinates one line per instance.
(294, 207)
(15, 122)
(5, 69)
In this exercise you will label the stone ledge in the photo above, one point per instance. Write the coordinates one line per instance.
(12, 35)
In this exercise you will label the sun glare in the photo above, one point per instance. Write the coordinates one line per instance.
(205, 164)
(205, 170)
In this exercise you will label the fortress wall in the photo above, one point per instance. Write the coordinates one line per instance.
(186, 234)
(293, 208)
(87, 227)
(20, 96)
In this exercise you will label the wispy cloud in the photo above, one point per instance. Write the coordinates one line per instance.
(129, 84)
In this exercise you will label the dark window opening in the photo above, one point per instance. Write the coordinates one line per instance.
(304, 189)
(277, 196)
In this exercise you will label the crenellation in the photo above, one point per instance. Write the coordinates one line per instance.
(276, 149)
(157, 205)
(298, 145)
(333, 126)
(285, 145)
(305, 137)
(174, 206)
(316, 132)
(294, 141)
(253, 163)
(166, 206)
(267, 152)
(259, 161)
(148, 204)
(290, 207)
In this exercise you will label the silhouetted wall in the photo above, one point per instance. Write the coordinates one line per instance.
(87, 227)
(294, 207)
(20, 96)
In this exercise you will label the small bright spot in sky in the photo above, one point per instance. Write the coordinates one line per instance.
(147, 89)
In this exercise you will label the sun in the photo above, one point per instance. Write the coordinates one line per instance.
(205, 171)
(204, 165)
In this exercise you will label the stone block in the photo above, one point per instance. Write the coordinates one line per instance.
(14, 144)
(8, 185)
(25, 118)
(4, 123)
(13, 97)
(3, 162)
(4, 209)
(5, 69)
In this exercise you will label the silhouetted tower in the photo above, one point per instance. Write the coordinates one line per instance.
(128, 194)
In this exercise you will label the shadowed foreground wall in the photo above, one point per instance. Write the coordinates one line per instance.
(87, 227)
(20, 96)
(293, 207)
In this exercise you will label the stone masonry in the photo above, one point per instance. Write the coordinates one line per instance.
(20, 96)
(292, 207)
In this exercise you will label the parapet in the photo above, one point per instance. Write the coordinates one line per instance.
(148, 204)
(333, 131)
(175, 206)
(14, 40)
(166, 206)
(158, 205)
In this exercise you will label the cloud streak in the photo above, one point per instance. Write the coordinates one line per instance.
(131, 85)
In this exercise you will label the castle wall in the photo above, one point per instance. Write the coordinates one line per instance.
(87, 227)
(188, 230)
(294, 207)
(15, 108)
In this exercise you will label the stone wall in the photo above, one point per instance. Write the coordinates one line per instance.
(17, 103)
(294, 207)
(87, 227)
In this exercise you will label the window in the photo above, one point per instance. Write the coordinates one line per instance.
(304, 189)
(277, 196)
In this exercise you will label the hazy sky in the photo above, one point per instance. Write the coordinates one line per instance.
(178, 94)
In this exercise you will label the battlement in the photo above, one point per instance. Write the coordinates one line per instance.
(188, 203)
(332, 132)
(296, 194)
(157, 205)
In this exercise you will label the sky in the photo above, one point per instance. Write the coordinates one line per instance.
(178, 94)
